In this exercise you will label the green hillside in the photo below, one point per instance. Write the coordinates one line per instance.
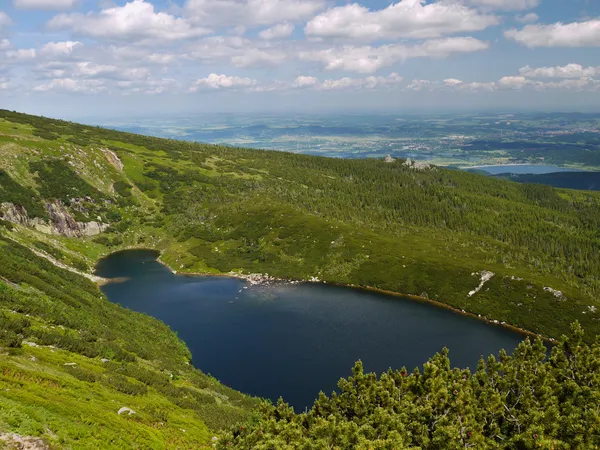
(523, 254)
(72, 360)
(427, 232)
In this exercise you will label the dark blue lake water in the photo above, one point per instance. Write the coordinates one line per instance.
(294, 340)
(524, 169)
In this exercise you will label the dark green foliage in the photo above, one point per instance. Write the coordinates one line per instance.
(82, 374)
(6, 224)
(80, 265)
(59, 182)
(49, 249)
(12, 192)
(218, 417)
(10, 339)
(149, 377)
(157, 414)
(114, 215)
(522, 401)
(122, 384)
(122, 188)
(12, 330)
(103, 240)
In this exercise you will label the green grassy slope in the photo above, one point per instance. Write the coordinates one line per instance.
(363, 222)
(69, 360)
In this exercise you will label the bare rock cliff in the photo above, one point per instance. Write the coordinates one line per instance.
(60, 222)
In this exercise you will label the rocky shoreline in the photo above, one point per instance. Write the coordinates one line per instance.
(259, 279)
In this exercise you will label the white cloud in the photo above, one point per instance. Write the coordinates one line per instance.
(568, 71)
(520, 82)
(216, 13)
(514, 82)
(278, 31)
(378, 82)
(4, 83)
(371, 82)
(405, 19)
(479, 86)
(60, 48)
(147, 86)
(241, 52)
(507, 5)
(93, 70)
(239, 30)
(214, 81)
(214, 48)
(476, 86)
(160, 58)
(21, 55)
(368, 59)
(133, 55)
(4, 19)
(419, 85)
(45, 4)
(452, 82)
(576, 34)
(135, 20)
(305, 81)
(71, 85)
(527, 18)
(258, 58)
(86, 70)
(4, 44)
(342, 83)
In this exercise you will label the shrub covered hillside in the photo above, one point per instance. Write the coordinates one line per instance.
(397, 226)
(524, 401)
(70, 360)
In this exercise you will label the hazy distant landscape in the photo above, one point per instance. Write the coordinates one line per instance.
(568, 140)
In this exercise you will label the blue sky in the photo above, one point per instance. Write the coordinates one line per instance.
(87, 58)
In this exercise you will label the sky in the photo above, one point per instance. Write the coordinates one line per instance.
(111, 58)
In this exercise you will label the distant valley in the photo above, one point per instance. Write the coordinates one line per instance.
(564, 139)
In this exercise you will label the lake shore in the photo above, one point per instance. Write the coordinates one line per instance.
(265, 279)
(418, 298)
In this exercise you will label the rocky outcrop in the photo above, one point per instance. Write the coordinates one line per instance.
(485, 276)
(417, 165)
(15, 441)
(60, 222)
(388, 159)
(113, 159)
(558, 294)
(127, 410)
